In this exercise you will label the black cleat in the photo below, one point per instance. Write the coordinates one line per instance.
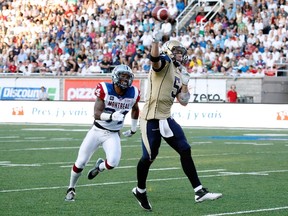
(203, 194)
(70, 195)
(142, 199)
(95, 171)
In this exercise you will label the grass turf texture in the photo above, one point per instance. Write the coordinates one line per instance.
(251, 171)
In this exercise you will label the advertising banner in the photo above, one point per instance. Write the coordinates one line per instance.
(28, 89)
(83, 89)
(205, 90)
(194, 114)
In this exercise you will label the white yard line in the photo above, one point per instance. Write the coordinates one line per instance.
(250, 211)
(248, 143)
(134, 181)
(97, 184)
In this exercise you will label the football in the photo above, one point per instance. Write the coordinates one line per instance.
(160, 13)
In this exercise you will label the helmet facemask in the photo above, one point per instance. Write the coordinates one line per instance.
(122, 76)
(172, 49)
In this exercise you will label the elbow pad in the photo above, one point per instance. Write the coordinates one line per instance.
(184, 98)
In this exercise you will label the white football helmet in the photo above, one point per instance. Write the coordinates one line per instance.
(173, 47)
(122, 76)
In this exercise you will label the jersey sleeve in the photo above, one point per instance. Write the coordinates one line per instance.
(99, 91)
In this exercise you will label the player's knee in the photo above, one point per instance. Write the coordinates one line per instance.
(185, 153)
(146, 161)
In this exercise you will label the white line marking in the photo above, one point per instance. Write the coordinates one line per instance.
(248, 143)
(163, 169)
(124, 182)
(33, 138)
(41, 149)
(265, 135)
(9, 164)
(9, 137)
(243, 173)
(250, 211)
(97, 184)
(53, 129)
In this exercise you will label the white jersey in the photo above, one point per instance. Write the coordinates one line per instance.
(114, 102)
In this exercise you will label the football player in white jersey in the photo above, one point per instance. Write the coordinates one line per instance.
(113, 101)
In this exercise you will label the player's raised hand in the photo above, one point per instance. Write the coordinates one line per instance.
(117, 116)
(157, 35)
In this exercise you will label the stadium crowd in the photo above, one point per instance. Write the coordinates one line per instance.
(87, 37)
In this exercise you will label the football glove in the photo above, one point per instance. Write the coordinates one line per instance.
(117, 116)
(128, 133)
(184, 75)
(157, 36)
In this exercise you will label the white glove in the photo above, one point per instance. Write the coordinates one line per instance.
(128, 133)
(157, 36)
(117, 116)
(184, 75)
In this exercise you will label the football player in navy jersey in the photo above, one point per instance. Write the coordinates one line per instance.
(113, 101)
(168, 79)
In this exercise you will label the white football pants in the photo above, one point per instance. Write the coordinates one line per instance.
(94, 138)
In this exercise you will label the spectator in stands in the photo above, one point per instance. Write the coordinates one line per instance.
(232, 94)
(216, 64)
(245, 67)
(54, 68)
(22, 56)
(260, 62)
(270, 61)
(71, 67)
(180, 4)
(166, 28)
(43, 69)
(130, 49)
(173, 11)
(226, 64)
(200, 18)
(95, 68)
(207, 64)
(105, 65)
(12, 68)
(146, 39)
(230, 13)
(85, 70)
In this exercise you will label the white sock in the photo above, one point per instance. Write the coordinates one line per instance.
(102, 166)
(74, 178)
(198, 188)
(141, 190)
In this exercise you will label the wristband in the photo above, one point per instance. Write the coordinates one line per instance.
(154, 59)
(134, 125)
(105, 116)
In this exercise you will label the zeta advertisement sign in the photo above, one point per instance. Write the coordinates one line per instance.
(83, 89)
(28, 89)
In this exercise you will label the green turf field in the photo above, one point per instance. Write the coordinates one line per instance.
(250, 168)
